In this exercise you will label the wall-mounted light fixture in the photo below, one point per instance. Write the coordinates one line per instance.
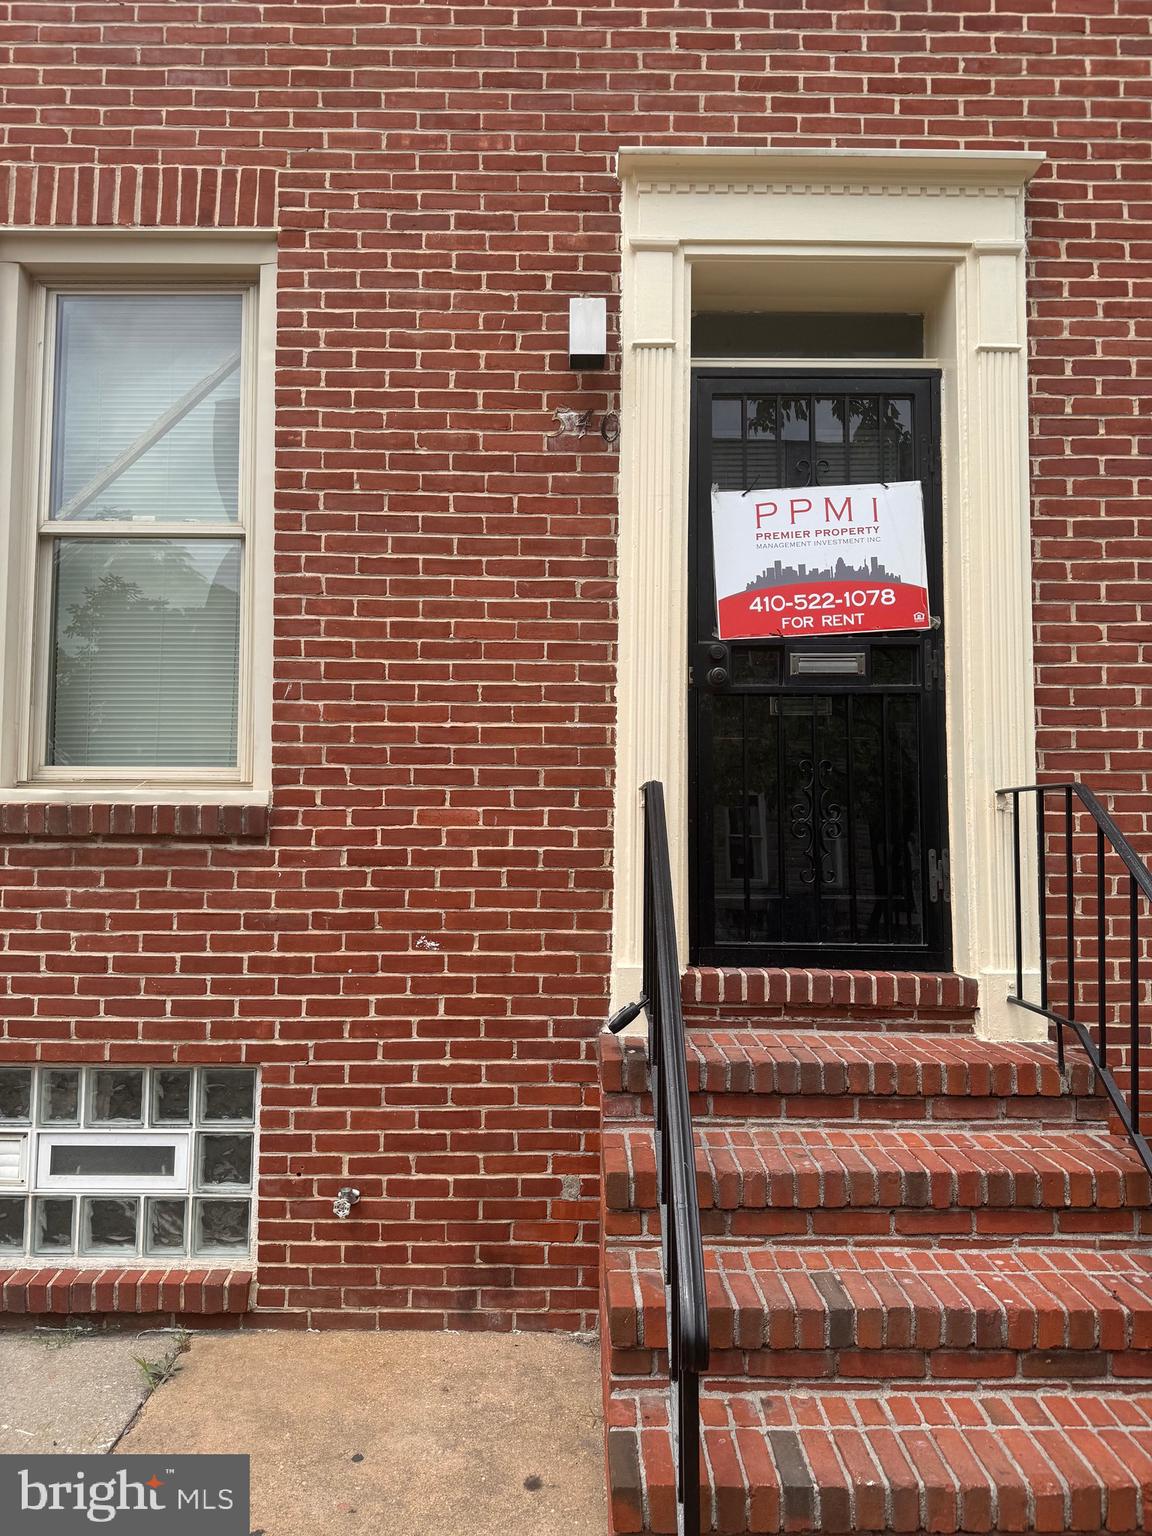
(587, 333)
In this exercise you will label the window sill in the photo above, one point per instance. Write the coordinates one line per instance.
(219, 818)
(182, 1292)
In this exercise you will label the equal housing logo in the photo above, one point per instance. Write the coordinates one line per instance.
(141, 1495)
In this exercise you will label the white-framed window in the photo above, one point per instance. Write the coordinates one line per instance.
(137, 603)
(87, 1159)
(107, 1163)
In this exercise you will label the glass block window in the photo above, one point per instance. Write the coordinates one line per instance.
(104, 1163)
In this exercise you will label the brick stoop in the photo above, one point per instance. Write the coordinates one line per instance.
(859, 1314)
(928, 1264)
(888, 1183)
(963, 1459)
(815, 999)
(803, 1074)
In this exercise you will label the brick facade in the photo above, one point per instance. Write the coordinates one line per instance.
(415, 949)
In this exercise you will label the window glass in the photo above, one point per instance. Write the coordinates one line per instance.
(171, 1096)
(11, 1224)
(145, 653)
(60, 1096)
(53, 1231)
(111, 1159)
(117, 1094)
(228, 1094)
(166, 1226)
(146, 417)
(726, 333)
(225, 1160)
(143, 626)
(221, 1225)
(109, 1224)
(15, 1093)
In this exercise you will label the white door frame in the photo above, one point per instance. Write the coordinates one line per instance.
(879, 225)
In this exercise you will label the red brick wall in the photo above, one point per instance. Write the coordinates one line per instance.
(442, 180)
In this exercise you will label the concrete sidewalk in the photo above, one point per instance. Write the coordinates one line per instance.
(71, 1391)
(395, 1434)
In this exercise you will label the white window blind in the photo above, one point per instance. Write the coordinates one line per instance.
(146, 529)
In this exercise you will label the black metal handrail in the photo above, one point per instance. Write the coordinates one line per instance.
(1109, 838)
(682, 1248)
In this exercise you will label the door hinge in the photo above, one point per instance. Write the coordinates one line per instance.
(939, 876)
(933, 664)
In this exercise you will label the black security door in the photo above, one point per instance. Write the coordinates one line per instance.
(817, 793)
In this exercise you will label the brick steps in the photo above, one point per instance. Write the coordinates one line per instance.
(847, 1075)
(853, 1314)
(888, 1184)
(928, 1264)
(913, 1461)
(856, 1000)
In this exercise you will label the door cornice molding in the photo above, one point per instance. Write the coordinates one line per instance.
(897, 170)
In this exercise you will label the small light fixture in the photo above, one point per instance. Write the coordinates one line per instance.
(587, 333)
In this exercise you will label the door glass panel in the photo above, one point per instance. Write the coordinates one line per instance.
(897, 460)
(895, 664)
(728, 442)
(797, 726)
(831, 447)
(869, 819)
(762, 852)
(833, 866)
(763, 452)
(864, 440)
(814, 776)
(795, 422)
(902, 753)
(756, 665)
(728, 819)
(726, 416)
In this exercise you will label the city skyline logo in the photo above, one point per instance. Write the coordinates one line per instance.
(779, 574)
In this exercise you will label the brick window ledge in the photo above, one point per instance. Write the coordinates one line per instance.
(134, 819)
(187, 1292)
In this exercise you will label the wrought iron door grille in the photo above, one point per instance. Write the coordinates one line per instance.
(817, 773)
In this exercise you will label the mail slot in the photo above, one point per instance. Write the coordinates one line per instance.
(828, 664)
